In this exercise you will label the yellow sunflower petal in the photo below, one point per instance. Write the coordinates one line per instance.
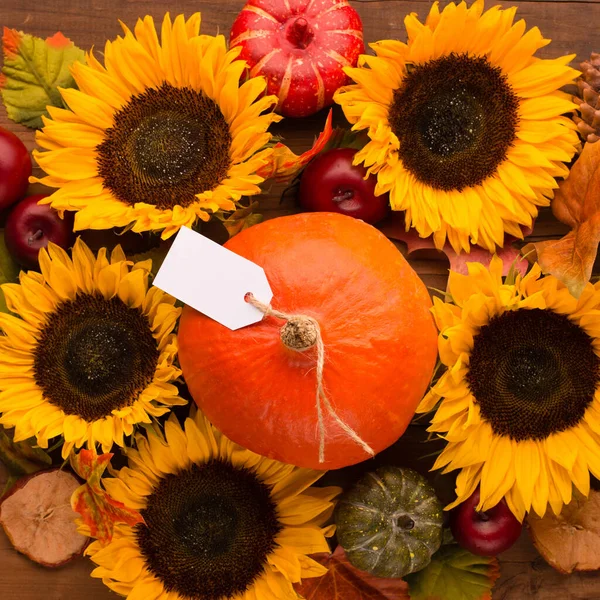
(200, 83)
(391, 91)
(492, 431)
(52, 309)
(160, 480)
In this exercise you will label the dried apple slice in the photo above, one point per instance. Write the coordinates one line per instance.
(570, 541)
(39, 521)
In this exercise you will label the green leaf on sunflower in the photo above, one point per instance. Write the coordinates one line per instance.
(454, 574)
(9, 270)
(99, 511)
(241, 219)
(33, 71)
(156, 255)
(346, 138)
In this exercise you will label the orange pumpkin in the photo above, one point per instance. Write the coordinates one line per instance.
(379, 339)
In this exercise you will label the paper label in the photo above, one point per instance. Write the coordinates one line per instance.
(213, 280)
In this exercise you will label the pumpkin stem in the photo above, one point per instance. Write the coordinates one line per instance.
(299, 333)
(300, 33)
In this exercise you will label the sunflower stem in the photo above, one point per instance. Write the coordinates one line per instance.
(55, 446)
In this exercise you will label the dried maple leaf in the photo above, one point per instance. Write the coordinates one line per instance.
(570, 541)
(34, 70)
(98, 510)
(394, 228)
(345, 582)
(577, 204)
(285, 164)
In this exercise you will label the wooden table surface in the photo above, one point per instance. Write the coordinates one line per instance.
(573, 27)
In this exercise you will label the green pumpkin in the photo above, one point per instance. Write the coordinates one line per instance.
(390, 522)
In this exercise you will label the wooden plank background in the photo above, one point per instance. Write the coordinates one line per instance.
(573, 27)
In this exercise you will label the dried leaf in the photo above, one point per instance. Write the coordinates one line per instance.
(345, 582)
(454, 574)
(98, 510)
(33, 71)
(511, 257)
(20, 458)
(570, 541)
(285, 164)
(577, 204)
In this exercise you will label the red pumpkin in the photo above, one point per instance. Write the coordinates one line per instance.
(379, 338)
(301, 47)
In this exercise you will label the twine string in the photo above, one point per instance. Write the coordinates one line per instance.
(311, 331)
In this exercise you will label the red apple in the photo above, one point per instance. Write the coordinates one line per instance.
(15, 168)
(331, 183)
(29, 228)
(484, 533)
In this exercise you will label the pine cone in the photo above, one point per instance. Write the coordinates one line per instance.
(589, 102)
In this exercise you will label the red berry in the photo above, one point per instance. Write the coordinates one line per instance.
(300, 48)
(331, 183)
(484, 533)
(15, 168)
(29, 228)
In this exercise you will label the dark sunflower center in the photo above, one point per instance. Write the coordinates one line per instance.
(209, 530)
(533, 373)
(456, 118)
(165, 146)
(94, 356)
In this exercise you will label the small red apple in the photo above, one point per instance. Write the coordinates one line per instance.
(331, 183)
(484, 533)
(15, 168)
(29, 228)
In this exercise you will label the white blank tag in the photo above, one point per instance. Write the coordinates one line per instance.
(213, 280)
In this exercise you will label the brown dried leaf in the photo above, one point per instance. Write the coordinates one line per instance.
(571, 541)
(394, 228)
(577, 204)
(345, 582)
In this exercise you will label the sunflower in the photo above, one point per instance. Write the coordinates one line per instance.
(219, 521)
(89, 352)
(519, 403)
(464, 123)
(159, 136)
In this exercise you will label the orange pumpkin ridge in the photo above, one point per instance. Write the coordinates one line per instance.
(379, 338)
